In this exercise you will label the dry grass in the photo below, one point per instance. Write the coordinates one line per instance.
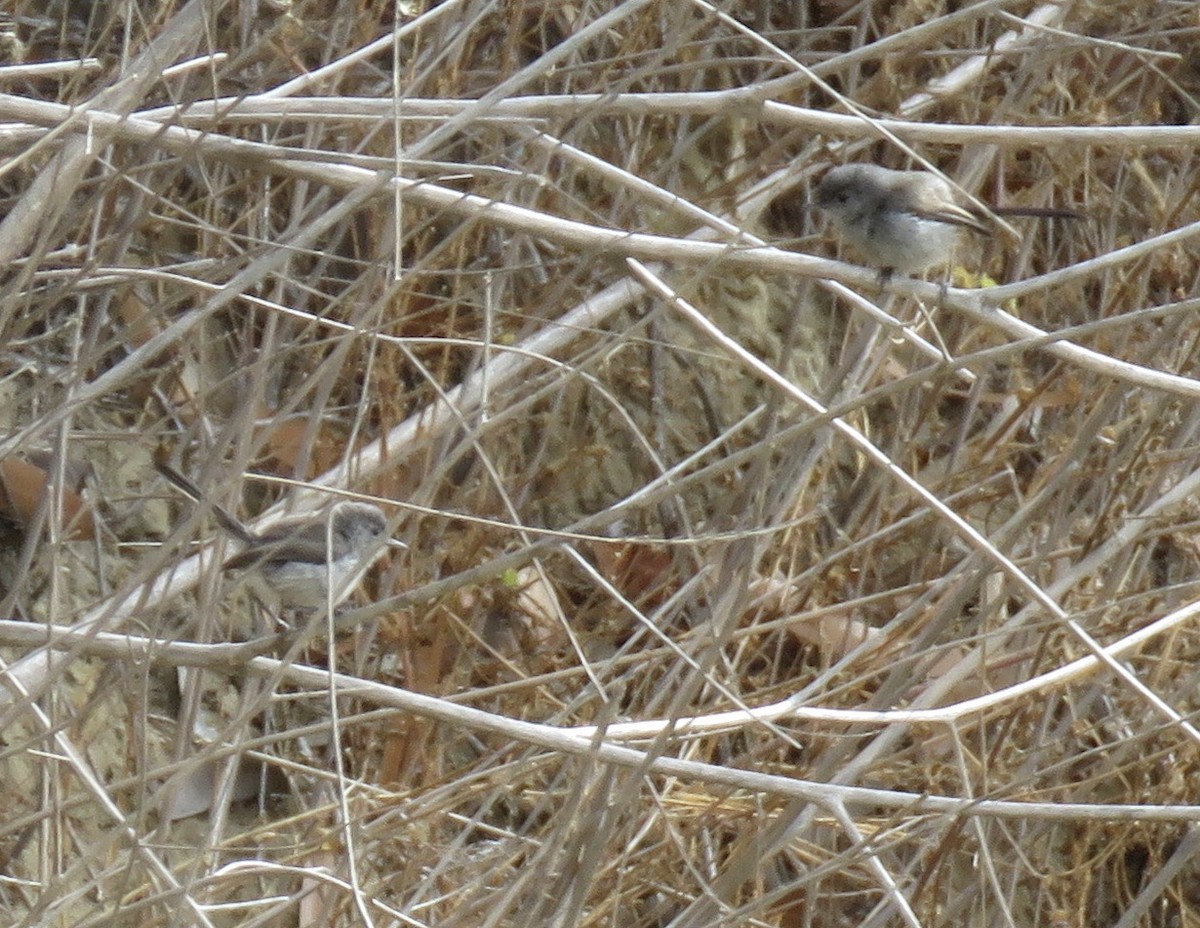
(596, 415)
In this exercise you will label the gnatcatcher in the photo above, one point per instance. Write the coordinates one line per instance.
(906, 221)
(307, 561)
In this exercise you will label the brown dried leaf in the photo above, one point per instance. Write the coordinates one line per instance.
(22, 487)
(137, 323)
(637, 570)
(286, 442)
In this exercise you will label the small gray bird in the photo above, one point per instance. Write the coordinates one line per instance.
(310, 561)
(302, 562)
(906, 221)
